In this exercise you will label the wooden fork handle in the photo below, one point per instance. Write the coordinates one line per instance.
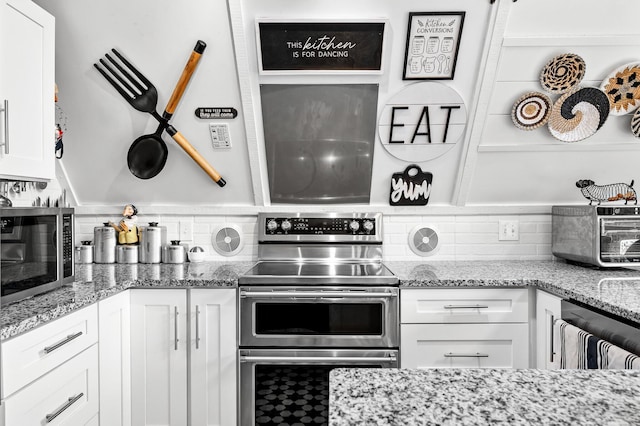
(195, 155)
(188, 70)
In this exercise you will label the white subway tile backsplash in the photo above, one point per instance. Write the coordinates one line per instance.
(463, 237)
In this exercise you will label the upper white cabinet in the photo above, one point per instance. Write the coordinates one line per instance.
(27, 90)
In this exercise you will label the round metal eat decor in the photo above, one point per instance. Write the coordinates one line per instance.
(531, 111)
(562, 73)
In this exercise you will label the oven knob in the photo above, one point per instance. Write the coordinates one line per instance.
(368, 225)
(354, 225)
(285, 225)
(272, 225)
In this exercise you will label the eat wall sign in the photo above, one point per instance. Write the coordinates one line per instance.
(422, 122)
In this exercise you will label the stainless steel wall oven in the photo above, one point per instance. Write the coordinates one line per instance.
(319, 298)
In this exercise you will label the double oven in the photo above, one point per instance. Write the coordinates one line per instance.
(318, 298)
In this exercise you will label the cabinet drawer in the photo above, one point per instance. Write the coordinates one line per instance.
(68, 395)
(28, 356)
(423, 306)
(464, 346)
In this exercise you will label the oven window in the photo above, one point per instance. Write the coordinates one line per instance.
(319, 318)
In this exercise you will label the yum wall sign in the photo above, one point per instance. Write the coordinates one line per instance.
(422, 122)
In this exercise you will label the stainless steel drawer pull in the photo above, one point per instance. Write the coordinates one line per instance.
(551, 353)
(197, 327)
(63, 342)
(466, 306)
(314, 294)
(476, 355)
(175, 327)
(298, 359)
(5, 110)
(50, 417)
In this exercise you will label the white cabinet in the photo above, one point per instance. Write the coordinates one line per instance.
(213, 357)
(548, 309)
(443, 328)
(159, 357)
(27, 90)
(114, 330)
(51, 372)
(173, 330)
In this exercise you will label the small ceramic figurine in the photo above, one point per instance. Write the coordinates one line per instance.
(127, 228)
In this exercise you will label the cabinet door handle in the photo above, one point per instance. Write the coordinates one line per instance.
(175, 327)
(5, 111)
(50, 417)
(197, 327)
(476, 355)
(551, 353)
(62, 342)
(466, 306)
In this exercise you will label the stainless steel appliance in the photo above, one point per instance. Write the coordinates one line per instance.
(318, 298)
(605, 236)
(36, 250)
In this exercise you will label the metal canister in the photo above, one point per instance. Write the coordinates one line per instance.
(104, 238)
(84, 252)
(127, 254)
(173, 253)
(152, 238)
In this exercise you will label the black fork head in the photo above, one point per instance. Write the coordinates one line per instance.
(129, 82)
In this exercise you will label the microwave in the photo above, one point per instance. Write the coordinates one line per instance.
(36, 251)
(604, 236)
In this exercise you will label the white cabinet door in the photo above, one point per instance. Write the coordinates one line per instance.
(159, 357)
(464, 345)
(213, 357)
(27, 88)
(548, 308)
(114, 332)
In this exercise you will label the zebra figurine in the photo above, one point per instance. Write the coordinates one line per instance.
(610, 192)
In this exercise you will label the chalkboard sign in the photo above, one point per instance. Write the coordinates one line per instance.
(411, 187)
(321, 46)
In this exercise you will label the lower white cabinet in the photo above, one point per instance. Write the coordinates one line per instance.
(180, 338)
(464, 345)
(114, 332)
(464, 328)
(67, 395)
(548, 309)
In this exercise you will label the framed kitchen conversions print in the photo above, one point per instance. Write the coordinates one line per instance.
(320, 47)
(433, 39)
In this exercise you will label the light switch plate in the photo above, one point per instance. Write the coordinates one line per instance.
(220, 138)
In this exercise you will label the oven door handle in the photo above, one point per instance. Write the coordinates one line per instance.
(314, 294)
(338, 359)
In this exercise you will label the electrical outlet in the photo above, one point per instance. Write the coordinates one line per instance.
(508, 230)
(186, 231)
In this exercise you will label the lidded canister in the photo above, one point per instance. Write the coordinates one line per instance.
(104, 238)
(174, 252)
(152, 238)
(84, 252)
(127, 253)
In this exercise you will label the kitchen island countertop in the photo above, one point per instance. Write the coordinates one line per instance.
(483, 396)
(616, 291)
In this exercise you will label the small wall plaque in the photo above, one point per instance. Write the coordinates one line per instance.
(411, 187)
(216, 112)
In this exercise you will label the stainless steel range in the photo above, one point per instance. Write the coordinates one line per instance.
(319, 298)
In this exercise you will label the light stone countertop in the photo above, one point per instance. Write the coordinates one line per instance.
(613, 290)
(483, 396)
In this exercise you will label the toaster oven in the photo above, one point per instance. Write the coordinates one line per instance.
(597, 235)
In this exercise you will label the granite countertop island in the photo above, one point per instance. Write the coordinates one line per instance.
(483, 396)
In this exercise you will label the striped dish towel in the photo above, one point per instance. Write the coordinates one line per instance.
(576, 348)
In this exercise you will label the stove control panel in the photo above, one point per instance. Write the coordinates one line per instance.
(320, 225)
